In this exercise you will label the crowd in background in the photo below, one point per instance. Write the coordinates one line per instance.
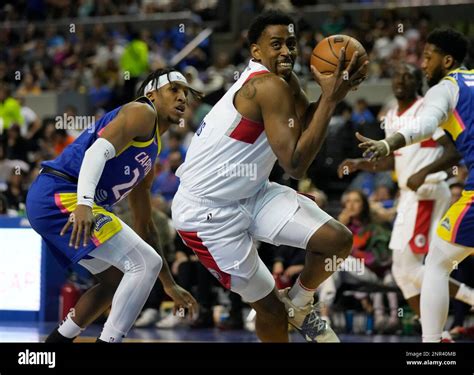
(107, 63)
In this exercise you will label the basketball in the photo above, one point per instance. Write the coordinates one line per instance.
(325, 56)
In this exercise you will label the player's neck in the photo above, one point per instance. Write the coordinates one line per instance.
(163, 125)
(404, 104)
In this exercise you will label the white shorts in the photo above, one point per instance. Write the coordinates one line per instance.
(222, 234)
(418, 213)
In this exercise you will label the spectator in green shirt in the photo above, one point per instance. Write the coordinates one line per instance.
(10, 109)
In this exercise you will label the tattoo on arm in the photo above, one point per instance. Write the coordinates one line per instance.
(249, 89)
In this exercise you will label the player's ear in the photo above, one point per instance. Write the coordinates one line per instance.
(149, 95)
(448, 61)
(255, 52)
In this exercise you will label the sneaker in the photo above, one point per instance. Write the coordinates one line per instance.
(170, 321)
(446, 337)
(306, 320)
(204, 319)
(148, 318)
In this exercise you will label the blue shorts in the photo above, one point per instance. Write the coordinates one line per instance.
(49, 203)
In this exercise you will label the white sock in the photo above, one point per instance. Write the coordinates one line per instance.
(69, 328)
(111, 334)
(300, 295)
(465, 294)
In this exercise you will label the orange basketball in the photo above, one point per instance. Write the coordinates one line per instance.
(325, 56)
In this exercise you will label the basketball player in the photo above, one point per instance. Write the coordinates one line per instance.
(76, 191)
(424, 193)
(449, 103)
(225, 200)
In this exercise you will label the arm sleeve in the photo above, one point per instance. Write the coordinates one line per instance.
(439, 101)
(91, 170)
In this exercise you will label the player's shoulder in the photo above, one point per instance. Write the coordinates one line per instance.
(269, 80)
(140, 108)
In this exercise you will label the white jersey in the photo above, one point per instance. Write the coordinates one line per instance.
(229, 157)
(410, 159)
(417, 212)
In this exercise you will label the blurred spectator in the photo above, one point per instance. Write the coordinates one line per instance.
(16, 192)
(361, 114)
(371, 247)
(288, 264)
(29, 86)
(61, 140)
(17, 146)
(3, 205)
(134, 63)
(10, 109)
(174, 144)
(166, 183)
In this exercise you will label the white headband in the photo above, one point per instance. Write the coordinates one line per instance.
(162, 80)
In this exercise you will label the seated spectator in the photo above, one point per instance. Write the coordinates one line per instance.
(17, 146)
(368, 265)
(61, 140)
(16, 192)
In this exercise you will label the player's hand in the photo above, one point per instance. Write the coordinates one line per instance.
(374, 150)
(336, 86)
(348, 166)
(416, 180)
(182, 299)
(82, 221)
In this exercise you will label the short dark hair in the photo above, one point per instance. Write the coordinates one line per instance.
(416, 72)
(156, 74)
(449, 42)
(271, 17)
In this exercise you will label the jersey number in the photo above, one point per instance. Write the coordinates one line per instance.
(122, 190)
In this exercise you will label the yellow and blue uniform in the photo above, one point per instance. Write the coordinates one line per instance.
(457, 225)
(51, 198)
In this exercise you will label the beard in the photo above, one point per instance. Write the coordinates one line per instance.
(435, 77)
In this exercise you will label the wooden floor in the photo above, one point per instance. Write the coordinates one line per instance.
(36, 332)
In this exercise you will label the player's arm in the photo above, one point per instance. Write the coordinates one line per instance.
(439, 101)
(294, 141)
(134, 120)
(304, 108)
(145, 227)
(449, 157)
(349, 166)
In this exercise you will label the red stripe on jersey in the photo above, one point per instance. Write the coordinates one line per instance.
(419, 242)
(429, 143)
(247, 130)
(251, 75)
(192, 240)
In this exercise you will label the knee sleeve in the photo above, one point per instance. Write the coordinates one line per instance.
(407, 270)
(256, 287)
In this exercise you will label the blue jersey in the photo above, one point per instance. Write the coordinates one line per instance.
(460, 123)
(121, 173)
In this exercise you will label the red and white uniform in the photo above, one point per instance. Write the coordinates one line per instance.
(225, 200)
(417, 212)
(229, 157)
